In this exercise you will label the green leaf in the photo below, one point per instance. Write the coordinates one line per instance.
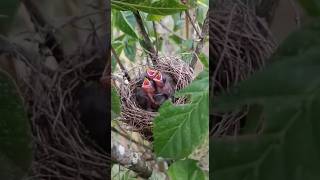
(179, 129)
(288, 146)
(159, 7)
(130, 49)
(118, 47)
(204, 60)
(122, 23)
(115, 104)
(176, 39)
(201, 14)
(152, 17)
(311, 6)
(15, 136)
(186, 169)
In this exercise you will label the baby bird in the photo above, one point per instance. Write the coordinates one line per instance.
(165, 84)
(143, 99)
(156, 88)
(151, 73)
(149, 89)
(145, 95)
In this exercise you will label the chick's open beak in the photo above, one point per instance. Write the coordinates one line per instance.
(158, 79)
(151, 73)
(147, 85)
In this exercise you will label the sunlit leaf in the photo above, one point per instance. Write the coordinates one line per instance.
(180, 128)
(152, 17)
(204, 60)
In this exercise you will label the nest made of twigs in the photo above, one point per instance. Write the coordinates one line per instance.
(240, 44)
(138, 119)
(63, 149)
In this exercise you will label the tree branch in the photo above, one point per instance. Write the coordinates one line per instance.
(123, 69)
(129, 158)
(204, 33)
(151, 51)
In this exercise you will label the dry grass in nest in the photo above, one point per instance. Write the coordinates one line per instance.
(138, 119)
(63, 150)
(240, 44)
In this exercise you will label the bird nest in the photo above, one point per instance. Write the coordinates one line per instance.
(138, 119)
(240, 44)
(62, 147)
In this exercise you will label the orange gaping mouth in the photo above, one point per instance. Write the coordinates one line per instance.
(158, 77)
(151, 73)
(146, 83)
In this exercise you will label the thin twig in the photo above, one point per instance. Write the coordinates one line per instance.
(124, 70)
(151, 51)
(204, 33)
(193, 23)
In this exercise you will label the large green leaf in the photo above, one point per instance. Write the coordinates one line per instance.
(15, 137)
(181, 128)
(186, 170)
(122, 23)
(288, 147)
(158, 7)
